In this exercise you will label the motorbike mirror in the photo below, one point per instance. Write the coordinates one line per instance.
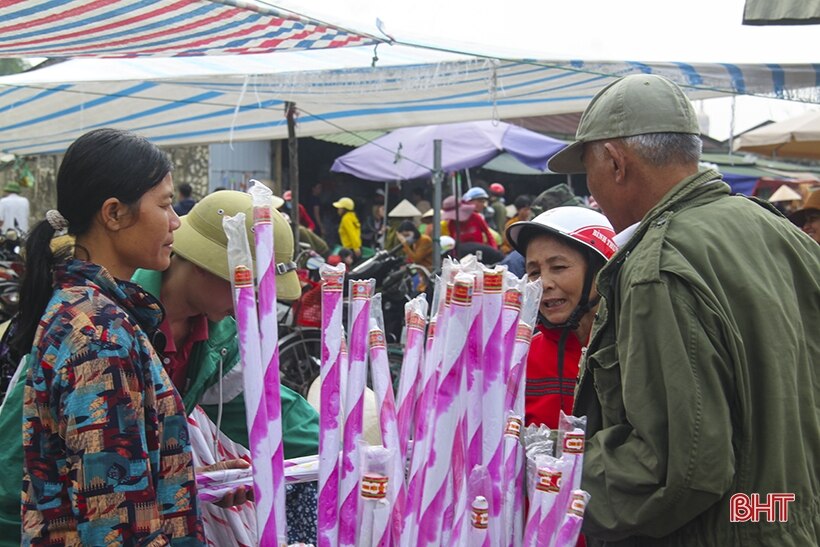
(314, 262)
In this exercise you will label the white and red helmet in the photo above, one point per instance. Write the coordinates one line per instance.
(578, 224)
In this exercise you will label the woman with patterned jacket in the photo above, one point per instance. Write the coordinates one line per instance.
(107, 458)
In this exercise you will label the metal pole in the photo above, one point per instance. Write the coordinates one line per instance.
(438, 175)
(732, 128)
(293, 172)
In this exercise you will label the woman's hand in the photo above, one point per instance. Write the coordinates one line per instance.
(234, 497)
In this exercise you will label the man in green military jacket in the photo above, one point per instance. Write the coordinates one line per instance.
(700, 381)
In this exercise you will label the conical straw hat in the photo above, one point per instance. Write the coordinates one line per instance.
(404, 209)
(784, 193)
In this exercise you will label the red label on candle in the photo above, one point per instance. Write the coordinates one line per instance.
(333, 282)
(415, 321)
(431, 332)
(513, 426)
(493, 282)
(577, 506)
(523, 333)
(448, 296)
(512, 299)
(261, 215)
(463, 294)
(548, 481)
(480, 518)
(374, 486)
(361, 290)
(242, 276)
(376, 338)
(573, 443)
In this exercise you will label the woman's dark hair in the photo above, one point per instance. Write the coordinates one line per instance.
(408, 226)
(101, 164)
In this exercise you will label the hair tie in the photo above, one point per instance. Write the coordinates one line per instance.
(57, 222)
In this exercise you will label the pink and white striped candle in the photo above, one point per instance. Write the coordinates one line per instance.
(479, 521)
(571, 526)
(494, 391)
(360, 294)
(383, 388)
(330, 430)
(411, 376)
(239, 259)
(269, 335)
(448, 429)
(424, 419)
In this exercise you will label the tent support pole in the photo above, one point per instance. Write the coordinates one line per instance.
(438, 175)
(293, 172)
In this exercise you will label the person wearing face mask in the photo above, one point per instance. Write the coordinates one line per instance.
(417, 247)
(565, 247)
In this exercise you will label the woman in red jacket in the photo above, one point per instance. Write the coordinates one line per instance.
(565, 247)
(464, 224)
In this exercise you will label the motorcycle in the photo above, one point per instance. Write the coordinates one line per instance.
(300, 343)
(11, 270)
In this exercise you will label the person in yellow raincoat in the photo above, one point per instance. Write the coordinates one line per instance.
(350, 229)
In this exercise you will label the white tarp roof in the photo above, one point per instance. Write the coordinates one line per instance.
(216, 99)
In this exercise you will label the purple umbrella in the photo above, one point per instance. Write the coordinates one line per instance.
(407, 153)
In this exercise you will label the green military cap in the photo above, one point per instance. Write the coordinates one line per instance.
(560, 195)
(633, 105)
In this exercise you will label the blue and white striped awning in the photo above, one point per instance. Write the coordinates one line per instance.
(139, 28)
(223, 98)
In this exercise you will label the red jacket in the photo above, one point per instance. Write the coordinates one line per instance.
(473, 230)
(547, 391)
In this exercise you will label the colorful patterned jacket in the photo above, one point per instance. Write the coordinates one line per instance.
(107, 458)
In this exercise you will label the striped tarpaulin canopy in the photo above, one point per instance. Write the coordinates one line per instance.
(218, 99)
(140, 28)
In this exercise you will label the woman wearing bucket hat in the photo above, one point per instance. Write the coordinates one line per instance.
(350, 229)
(564, 247)
(198, 348)
(98, 410)
(198, 345)
(808, 216)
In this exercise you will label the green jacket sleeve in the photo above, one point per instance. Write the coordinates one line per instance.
(11, 462)
(300, 423)
(644, 469)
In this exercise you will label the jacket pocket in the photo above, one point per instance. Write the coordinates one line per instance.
(606, 375)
